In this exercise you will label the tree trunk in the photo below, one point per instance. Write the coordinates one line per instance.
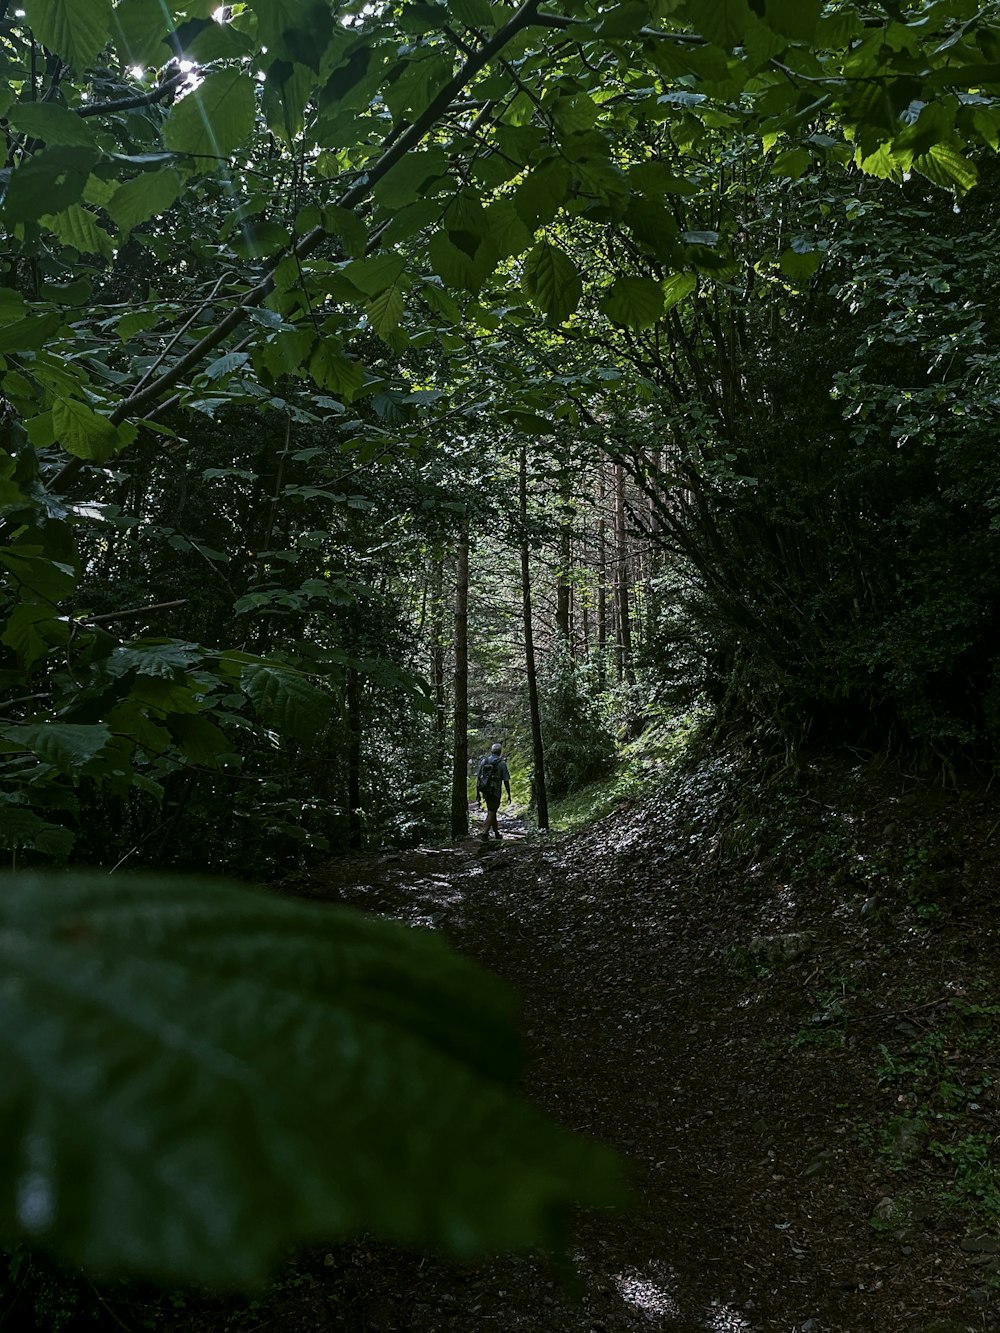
(354, 759)
(538, 754)
(564, 573)
(437, 662)
(460, 745)
(625, 670)
(602, 582)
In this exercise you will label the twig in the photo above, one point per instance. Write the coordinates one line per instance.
(132, 611)
(180, 333)
(118, 1320)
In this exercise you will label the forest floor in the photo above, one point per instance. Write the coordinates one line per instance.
(779, 1000)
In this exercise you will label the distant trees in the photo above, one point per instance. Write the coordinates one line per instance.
(342, 227)
(287, 292)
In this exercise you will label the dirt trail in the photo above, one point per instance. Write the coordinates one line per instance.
(647, 1031)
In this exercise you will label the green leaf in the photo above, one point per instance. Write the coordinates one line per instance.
(800, 264)
(539, 195)
(38, 574)
(76, 29)
(386, 311)
(23, 631)
(224, 366)
(624, 20)
(474, 13)
(658, 178)
(676, 288)
(286, 700)
(655, 226)
(334, 371)
(349, 227)
(163, 695)
(636, 303)
(441, 303)
(31, 332)
(166, 658)
(69, 746)
(793, 163)
(794, 18)
(287, 88)
(509, 233)
(575, 113)
(204, 40)
(77, 227)
(201, 740)
(603, 181)
(143, 197)
(48, 183)
(945, 166)
(19, 827)
(54, 125)
(760, 46)
(881, 162)
(406, 181)
(148, 1025)
(137, 321)
(285, 353)
(551, 281)
(466, 265)
(129, 719)
(424, 74)
(260, 238)
(529, 423)
(374, 275)
(214, 120)
(723, 22)
(83, 432)
(139, 29)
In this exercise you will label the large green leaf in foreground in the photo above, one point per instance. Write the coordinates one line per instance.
(197, 1074)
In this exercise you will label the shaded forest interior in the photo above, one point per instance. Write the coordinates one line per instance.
(615, 384)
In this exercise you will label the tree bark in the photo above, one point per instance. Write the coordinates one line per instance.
(354, 728)
(564, 573)
(602, 580)
(437, 661)
(625, 669)
(460, 744)
(537, 751)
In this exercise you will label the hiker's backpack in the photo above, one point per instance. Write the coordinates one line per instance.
(490, 779)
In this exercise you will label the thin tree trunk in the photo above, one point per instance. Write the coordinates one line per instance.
(537, 751)
(564, 573)
(602, 581)
(460, 746)
(437, 661)
(354, 727)
(625, 670)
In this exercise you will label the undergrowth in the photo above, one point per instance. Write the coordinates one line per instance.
(643, 766)
(886, 866)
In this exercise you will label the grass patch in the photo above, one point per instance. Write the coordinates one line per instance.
(642, 766)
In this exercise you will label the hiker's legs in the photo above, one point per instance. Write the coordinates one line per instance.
(491, 822)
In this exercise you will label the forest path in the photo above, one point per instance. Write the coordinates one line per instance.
(647, 1030)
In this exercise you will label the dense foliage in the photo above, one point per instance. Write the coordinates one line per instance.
(285, 286)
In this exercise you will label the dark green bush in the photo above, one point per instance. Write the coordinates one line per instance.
(579, 747)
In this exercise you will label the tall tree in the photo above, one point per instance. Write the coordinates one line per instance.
(460, 735)
(531, 673)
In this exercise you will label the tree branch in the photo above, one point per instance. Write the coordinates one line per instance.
(140, 398)
(145, 395)
(132, 611)
(156, 94)
(560, 21)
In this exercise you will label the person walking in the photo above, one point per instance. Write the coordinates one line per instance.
(491, 777)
